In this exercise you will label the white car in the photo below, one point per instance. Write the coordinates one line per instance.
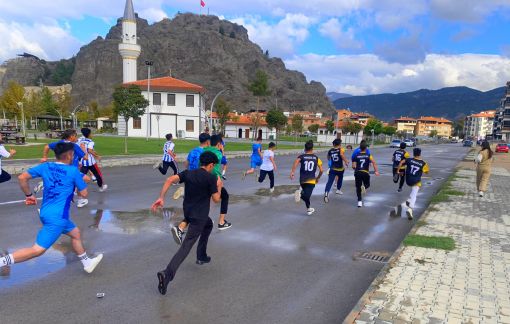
(395, 144)
(409, 143)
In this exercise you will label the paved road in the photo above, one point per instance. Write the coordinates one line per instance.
(276, 265)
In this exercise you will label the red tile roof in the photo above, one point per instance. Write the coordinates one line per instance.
(245, 120)
(406, 119)
(434, 119)
(168, 84)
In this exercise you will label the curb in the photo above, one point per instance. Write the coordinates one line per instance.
(374, 285)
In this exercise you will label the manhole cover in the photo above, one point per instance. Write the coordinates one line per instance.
(371, 256)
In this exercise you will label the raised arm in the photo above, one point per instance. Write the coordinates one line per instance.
(160, 202)
(45, 153)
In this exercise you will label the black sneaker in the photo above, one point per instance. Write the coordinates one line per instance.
(409, 214)
(206, 260)
(399, 190)
(223, 177)
(177, 234)
(395, 178)
(408, 203)
(162, 283)
(224, 226)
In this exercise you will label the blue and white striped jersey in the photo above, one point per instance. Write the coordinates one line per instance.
(169, 146)
(89, 144)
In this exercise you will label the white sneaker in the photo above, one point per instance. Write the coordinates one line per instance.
(94, 179)
(156, 165)
(178, 193)
(271, 190)
(93, 263)
(339, 192)
(480, 194)
(297, 195)
(327, 172)
(360, 204)
(103, 188)
(409, 213)
(82, 203)
(326, 198)
(39, 187)
(310, 211)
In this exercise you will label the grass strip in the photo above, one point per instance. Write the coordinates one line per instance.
(430, 242)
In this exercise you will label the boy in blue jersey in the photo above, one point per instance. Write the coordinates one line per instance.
(69, 136)
(256, 157)
(337, 163)
(361, 161)
(60, 179)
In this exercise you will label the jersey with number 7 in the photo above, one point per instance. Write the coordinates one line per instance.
(414, 171)
(363, 160)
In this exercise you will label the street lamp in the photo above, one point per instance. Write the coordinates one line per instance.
(212, 107)
(20, 105)
(149, 64)
(73, 114)
(373, 131)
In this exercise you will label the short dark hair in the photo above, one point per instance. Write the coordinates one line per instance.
(204, 137)
(86, 132)
(169, 137)
(337, 142)
(62, 148)
(417, 151)
(403, 145)
(207, 158)
(68, 133)
(272, 144)
(215, 139)
(309, 146)
(363, 145)
(363, 142)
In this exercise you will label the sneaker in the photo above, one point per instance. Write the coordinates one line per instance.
(206, 260)
(39, 187)
(360, 204)
(297, 195)
(399, 210)
(103, 188)
(162, 284)
(177, 234)
(156, 165)
(339, 192)
(310, 211)
(93, 263)
(94, 179)
(223, 177)
(271, 190)
(327, 172)
(326, 198)
(224, 226)
(82, 203)
(179, 193)
(409, 213)
(480, 194)
(399, 190)
(408, 203)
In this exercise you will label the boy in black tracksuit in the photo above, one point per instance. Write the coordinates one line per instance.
(399, 171)
(361, 161)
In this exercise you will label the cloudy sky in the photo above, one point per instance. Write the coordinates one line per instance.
(352, 46)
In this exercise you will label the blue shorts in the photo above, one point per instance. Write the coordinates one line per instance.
(51, 231)
(224, 160)
(255, 162)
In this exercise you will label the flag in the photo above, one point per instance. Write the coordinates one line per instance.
(202, 3)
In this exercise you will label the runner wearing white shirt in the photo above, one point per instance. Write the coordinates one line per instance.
(90, 164)
(268, 166)
(4, 176)
(169, 157)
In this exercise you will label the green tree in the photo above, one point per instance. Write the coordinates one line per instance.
(314, 128)
(129, 103)
(12, 95)
(433, 133)
(33, 106)
(458, 127)
(260, 88)
(330, 126)
(63, 72)
(374, 124)
(94, 109)
(297, 124)
(389, 130)
(223, 110)
(352, 128)
(276, 119)
(48, 104)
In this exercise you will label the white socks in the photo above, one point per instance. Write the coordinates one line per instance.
(85, 260)
(6, 260)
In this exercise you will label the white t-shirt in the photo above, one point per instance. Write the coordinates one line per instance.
(267, 165)
(3, 153)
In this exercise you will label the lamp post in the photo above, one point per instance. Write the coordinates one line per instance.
(149, 64)
(373, 131)
(212, 107)
(73, 114)
(20, 105)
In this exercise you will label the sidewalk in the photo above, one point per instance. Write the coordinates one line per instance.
(470, 284)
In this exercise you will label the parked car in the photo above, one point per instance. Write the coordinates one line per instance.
(409, 142)
(502, 148)
(395, 143)
(468, 143)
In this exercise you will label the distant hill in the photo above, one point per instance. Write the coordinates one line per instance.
(335, 95)
(450, 103)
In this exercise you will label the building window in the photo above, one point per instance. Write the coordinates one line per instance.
(137, 123)
(170, 101)
(156, 99)
(190, 125)
(190, 101)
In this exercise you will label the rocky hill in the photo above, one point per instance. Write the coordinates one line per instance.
(214, 53)
(452, 103)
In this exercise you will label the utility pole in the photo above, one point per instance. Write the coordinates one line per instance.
(149, 64)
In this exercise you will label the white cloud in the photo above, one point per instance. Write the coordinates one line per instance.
(46, 40)
(368, 74)
(280, 38)
(467, 10)
(343, 36)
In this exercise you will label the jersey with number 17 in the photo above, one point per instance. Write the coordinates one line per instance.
(414, 171)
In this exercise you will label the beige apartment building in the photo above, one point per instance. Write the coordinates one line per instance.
(425, 125)
(405, 125)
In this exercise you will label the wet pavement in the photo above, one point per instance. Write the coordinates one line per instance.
(275, 265)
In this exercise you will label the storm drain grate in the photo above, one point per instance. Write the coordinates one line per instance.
(374, 257)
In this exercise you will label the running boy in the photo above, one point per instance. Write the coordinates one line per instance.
(169, 157)
(256, 157)
(90, 164)
(415, 168)
(200, 187)
(336, 158)
(268, 166)
(309, 163)
(60, 179)
(361, 165)
(400, 171)
(224, 160)
(4, 176)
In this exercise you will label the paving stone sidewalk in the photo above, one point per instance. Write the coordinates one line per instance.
(470, 284)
